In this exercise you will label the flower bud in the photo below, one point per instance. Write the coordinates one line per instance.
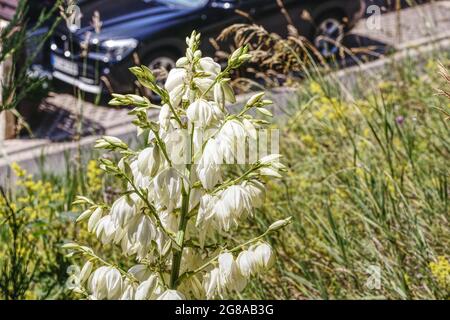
(270, 158)
(219, 95)
(137, 100)
(197, 54)
(71, 245)
(280, 224)
(255, 98)
(264, 112)
(244, 58)
(86, 214)
(182, 62)
(85, 272)
(82, 200)
(115, 142)
(101, 144)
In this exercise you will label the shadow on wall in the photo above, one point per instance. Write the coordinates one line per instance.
(58, 125)
(366, 49)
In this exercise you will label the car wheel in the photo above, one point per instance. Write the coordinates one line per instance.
(160, 64)
(330, 31)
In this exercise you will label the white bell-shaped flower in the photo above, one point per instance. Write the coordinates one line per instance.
(264, 256)
(171, 295)
(204, 84)
(212, 284)
(122, 210)
(176, 96)
(149, 160)
(230, 276)
(128, 292)
(230, 137)
(257, 192)
(113, 280)
(147, 288)
(200, 113)
(255, 259)
(97, 283)
(140, 234)
(164, 117)
(177, 145)
(140, 271)
(106, 229)
(140, 180)
(209, 175)
(234, 203)
(169, 221)
(175, 79)
(246, 262)
(209, 66)
(167, 186)
(206, 209)
(233, 130)
(94, 219)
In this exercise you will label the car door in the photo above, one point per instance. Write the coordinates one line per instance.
(215, 18)
(269, 14)
(265, 13)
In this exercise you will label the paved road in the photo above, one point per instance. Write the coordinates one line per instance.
(56, 116)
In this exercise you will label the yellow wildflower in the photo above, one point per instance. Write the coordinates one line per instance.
(20, 173)
(315, 88)
(441, 271)
(94, 176)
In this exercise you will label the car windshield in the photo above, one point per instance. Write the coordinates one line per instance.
(186, 3)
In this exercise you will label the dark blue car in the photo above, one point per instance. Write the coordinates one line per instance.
(96, 60)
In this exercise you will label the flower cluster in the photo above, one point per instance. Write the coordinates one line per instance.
(231, 275)
(179, 201)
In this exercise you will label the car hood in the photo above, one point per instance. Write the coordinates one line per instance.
(129, 18)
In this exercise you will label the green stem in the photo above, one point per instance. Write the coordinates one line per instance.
(178, 253)
(177, 117)
(106, 263)
(218, 78)
(163, 147)
(237, 180)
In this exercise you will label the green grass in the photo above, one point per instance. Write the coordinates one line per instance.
(368, 185)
